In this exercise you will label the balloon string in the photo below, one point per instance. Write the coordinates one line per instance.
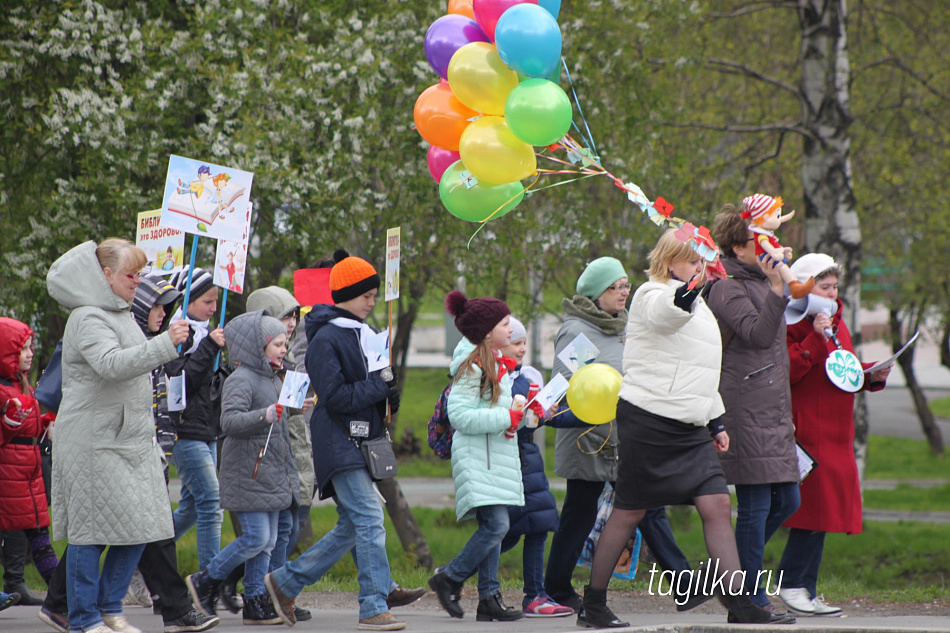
(564, 410)
(580, 110)
(563, 182)
(495, 212)
(599, 448)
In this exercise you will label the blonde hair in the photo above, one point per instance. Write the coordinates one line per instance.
(668, 249)
(120, 255)
(483, 356)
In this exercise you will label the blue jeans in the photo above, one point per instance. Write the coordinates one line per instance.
(301, 514)
(253, 547)
(286, 520)
(801, 560)
(480, 554)
(360, 525)
(763, 508)
(91, 594)
(532, 556)
(200, 503)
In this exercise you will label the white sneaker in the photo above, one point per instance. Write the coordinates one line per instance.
(824, 609)
(138, 594)
(797, 600)
(120, 624)
(102, 628)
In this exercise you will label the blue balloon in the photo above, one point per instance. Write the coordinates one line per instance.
(553, 6)
(529, 40)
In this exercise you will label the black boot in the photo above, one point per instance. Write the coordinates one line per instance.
(259, 610)
(494, 608)
(204, 592)
(448, 592)
(26, 598)
(228, 594)
(743, 611)
(595, 614)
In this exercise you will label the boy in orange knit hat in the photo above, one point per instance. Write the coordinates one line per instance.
(350, 409)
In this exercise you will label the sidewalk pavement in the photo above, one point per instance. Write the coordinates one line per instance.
(23, 620)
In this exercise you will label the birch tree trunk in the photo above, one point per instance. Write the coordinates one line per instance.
(832, 224)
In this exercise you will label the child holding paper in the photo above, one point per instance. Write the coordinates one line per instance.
(538, 516)
(258, 474)
(485, 462)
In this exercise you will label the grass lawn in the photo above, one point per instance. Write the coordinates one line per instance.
(940, 407)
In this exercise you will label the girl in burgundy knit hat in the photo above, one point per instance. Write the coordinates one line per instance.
(485, 463)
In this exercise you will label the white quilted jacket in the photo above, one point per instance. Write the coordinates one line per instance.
(108, 487)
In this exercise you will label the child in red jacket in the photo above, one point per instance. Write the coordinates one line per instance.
(22, 493)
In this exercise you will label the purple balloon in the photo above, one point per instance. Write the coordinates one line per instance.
(446, 35)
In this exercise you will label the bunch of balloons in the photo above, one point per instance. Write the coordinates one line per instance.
(494, 102)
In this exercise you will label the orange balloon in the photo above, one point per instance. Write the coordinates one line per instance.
(440, 117)
(462, 7)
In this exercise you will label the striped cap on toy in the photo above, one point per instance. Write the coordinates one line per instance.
(757, 205)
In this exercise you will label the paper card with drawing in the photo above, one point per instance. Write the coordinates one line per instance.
(294, 391)
(578, 353)
(376, 350)
(552, 392)
(176, 392)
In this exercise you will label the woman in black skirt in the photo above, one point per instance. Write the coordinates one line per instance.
(669, 395)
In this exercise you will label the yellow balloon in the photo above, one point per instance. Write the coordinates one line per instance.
(494, 154)
(593, 392)
(479, 78)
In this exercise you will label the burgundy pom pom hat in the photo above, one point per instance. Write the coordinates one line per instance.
(475, 318)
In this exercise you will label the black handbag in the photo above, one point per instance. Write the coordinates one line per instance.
(378, 452)
(49, 390)
(380, 457)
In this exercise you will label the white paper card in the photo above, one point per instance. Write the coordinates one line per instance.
(176, 392)
(376, 350)
(893, 359)
(578, 353)
(552, 392)
(806, 463)
(294, 391)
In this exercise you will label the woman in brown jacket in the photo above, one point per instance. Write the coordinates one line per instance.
(761, 461)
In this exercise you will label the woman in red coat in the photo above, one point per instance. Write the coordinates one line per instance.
(824, 425)
(22, 493)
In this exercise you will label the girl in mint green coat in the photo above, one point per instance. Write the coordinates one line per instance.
(485, 462)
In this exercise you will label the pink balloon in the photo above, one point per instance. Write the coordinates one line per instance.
(487, 13)
(439, 160)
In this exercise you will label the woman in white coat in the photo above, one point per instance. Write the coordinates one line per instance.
(667, 420)
(108, 488)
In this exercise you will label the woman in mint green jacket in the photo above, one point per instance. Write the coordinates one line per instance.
(485, 462)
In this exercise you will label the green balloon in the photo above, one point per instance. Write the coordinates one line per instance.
(477, 203)
(538, 112)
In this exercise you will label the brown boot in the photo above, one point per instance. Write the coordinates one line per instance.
(800, 289)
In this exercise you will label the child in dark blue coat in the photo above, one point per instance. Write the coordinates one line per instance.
(538, 516)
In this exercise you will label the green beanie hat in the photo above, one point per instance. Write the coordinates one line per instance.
(598, 275)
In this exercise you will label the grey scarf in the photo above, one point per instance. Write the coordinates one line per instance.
(584, 308)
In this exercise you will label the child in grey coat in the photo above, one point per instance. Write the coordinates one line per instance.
(258, 475)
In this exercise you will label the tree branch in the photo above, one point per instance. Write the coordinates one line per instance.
(754, 8)
(764, 159)
(794, 128)
(899, 64)
(735, 68)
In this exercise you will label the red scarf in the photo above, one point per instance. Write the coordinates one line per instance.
(505, 365)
